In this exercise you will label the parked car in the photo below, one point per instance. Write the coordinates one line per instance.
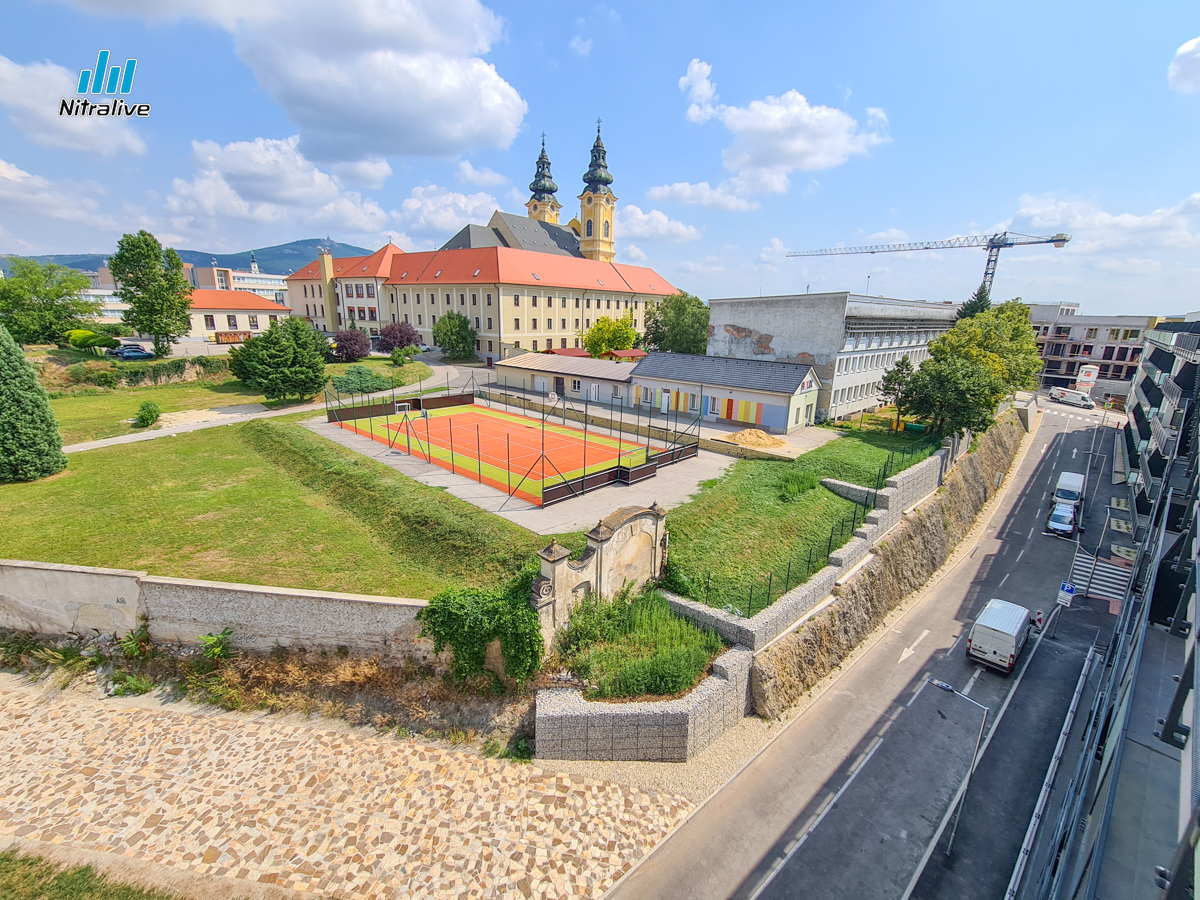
(999, 634)
(1071, 488)
(136, 353)
(424, 348)
(1062, 520)
(1072, 398)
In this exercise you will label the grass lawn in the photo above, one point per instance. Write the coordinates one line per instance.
(33, 878)
(739, 528)
(635, 647)
(267, 502)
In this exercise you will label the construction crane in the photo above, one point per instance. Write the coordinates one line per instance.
(993, 243)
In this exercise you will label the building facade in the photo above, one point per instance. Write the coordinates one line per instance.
(524, 282)
(849, 339)
(231, 317)
(575, 378)
(1067, 341)
(218, 278)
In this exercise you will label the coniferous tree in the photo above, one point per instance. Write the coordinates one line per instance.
(895, 383)
(980, 302)
(30, 445)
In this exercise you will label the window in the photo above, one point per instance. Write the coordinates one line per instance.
(1131, 334)
(1104, 370)
(635, 325)
(362, 313)
(418, 299)
(647, 395)
(533, 324)
(447, 299)
(1087, 349)
(404, 299)
(371, 313)
(406, 319)
(1123, 353)
(232, 320)
(477, 323)
(462, 300)
(478, 346)
(576, 342)
(253, 322)
(516, 324)
(210, 322)
(1134, 354)
(474, 299)
(694, 402)
(576, 324)
(274, 318)
(564, 302)
(562, 343)
(322, 310)
(589, 228)
(533, 301)
(606, 229)
(1062, 330)
(517, 344)
(489, 299)
(535, 346)
(1114, 334)
(306, 290)
(358, 290)
(1109, 351)
(608, 304)
(616, 392)
(577, 303)
(432, 321)
(1091, 333)
(306, 309)
(575, 385)
(371, 291)
(489, 323)
(321, 294)
(564, 325)
(419, 319)
(489, 346)
(587, 302)
(516, 299)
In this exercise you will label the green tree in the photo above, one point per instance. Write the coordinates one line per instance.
(284, 361)
(895, 383)
(152, 283)
(361, 380)
(610, 334)
(1002, 339)
(30, 445)
(980, 302)
(952, 394)
(308, 367)
(38, 304)
(677, 324)
(454, 334)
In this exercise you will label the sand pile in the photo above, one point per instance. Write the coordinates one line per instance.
(753, 437)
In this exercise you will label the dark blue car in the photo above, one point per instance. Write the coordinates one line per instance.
(131, 351)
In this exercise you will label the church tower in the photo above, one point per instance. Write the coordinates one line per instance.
(597, 207)
(543, 205)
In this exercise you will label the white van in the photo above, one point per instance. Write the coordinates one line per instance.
(1071, 488)
(1072, 398)
(999, 634)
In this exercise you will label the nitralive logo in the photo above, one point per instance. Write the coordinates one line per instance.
(105, 80)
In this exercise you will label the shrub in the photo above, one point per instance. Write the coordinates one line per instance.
(136, 644)
(211, 365)
(102, 378)
(148, 414)
(454, 334)
(795, 484)
(91, 341)
(30, 445)
(397, 335)
(216, 646)
(127, 685)
(351, 346)
(402, 356)
(361, 380)
(75, 335)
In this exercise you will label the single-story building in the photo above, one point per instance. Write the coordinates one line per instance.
(568, 351)
(773, 396)
(624, 355)
(230, 317)
(576, 378)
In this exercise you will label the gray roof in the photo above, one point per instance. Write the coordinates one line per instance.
(723, 371)
(519, 232)
(575, 366)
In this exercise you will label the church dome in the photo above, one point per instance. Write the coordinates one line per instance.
(597, 177)
(543, 186)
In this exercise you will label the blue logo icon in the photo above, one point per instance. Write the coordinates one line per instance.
(93, 81)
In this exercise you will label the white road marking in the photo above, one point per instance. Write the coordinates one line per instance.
(1005, 578)
(1043, 495)
(1022, 553)
(966, 692)
(1030, 535)
(1044, 446)
(909, 651)
(1073, 452)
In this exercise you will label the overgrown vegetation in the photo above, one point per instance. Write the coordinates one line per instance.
(634, 646)
(26, 877)
(30, 444)
(148, 414)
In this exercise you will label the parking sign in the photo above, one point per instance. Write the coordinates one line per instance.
(1066, 592)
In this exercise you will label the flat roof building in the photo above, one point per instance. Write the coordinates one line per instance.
(849, 339)
(1067, 341)
(572, 377)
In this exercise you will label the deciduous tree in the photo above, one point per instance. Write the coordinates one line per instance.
(953, 394)
(400, 334)
(1002, 339)
(351, 345)
(677, 324)
(152, 283)
(39, 304)
(454, 334)
(30, 445)
(895, 383)
(610, 334)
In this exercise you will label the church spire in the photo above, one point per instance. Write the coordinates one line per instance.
(543, 205)
(597, 177)
(597, 207)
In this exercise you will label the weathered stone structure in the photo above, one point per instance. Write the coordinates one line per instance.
(626, 548)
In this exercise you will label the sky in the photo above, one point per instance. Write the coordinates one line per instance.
(734, 134)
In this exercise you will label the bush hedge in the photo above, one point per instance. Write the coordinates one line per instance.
(148, 414)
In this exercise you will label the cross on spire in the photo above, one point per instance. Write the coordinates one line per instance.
(543, 140)
(598, 121)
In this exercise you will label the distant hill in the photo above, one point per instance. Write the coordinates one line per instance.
(279, 260)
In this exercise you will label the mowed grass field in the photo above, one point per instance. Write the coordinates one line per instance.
(267, 502)
(739, 527)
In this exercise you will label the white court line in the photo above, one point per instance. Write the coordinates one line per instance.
(828, 806)
(966, 692)
(1005, 578)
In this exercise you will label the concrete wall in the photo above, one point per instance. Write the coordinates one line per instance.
(56, 599)
(569, 727)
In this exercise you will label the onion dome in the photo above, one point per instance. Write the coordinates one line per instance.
(543, 185)
(597, 177)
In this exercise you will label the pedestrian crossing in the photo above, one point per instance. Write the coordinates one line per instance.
(1105, 580)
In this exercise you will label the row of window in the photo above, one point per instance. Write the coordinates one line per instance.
(1114, 334)
(365, 314)
(562, 344)
(317, 291)
(855, 392)
(1121, 373)
(864, 362)
(887, 339)
(1110, 351)
(314, 310)
(210, 322)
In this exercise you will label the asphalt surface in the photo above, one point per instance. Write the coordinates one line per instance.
(756, 837)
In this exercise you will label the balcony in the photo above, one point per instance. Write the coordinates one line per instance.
(1172, 392)
(1187, 346)
(1166, 438)
(1164, 339)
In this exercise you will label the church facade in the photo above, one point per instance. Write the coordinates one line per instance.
(526, 283)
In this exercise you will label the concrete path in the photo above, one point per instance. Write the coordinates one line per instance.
(672, 485)
(442, 374)
(251, 801)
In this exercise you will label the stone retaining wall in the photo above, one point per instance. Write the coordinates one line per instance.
(55, 599)
(570, 727)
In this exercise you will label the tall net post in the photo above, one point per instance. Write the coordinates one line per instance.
(478, 457)
(450, 421)
(508, 460)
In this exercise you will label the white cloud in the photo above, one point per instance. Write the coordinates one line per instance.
(634, 252)
(484, 177)
(1131, 266)
(812, 187)
(891, 236)
(1183, 74)
(773, 137)
(773, 253)
(580, 46)
(363, 79)
(433, 208)
(33, 196)
(32, 95)
(369, 173)
(632, 222)
(1095, 230)
(701, 194)
(699, 268)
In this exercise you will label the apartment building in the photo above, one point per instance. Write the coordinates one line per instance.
(849, 339)
(1067, 341)
(219, 278)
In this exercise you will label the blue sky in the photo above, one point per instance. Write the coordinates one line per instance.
(734, 133)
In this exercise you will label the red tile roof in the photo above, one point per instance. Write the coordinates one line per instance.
(624, 354)
(567, 351)
(377, 265)
(211, 299)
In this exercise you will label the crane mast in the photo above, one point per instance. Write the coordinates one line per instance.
(993, 243)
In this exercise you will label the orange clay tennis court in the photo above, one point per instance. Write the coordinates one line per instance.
(521, 456)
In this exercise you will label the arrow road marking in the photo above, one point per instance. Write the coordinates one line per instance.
(1073, 452)
(909, 651)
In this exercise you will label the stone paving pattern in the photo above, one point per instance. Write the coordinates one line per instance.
(323, 812)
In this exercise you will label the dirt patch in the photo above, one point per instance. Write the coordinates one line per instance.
(753, 437)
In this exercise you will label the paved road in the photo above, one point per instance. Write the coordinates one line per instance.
(738, 844)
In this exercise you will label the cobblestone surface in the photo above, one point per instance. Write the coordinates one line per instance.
(328, 813)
